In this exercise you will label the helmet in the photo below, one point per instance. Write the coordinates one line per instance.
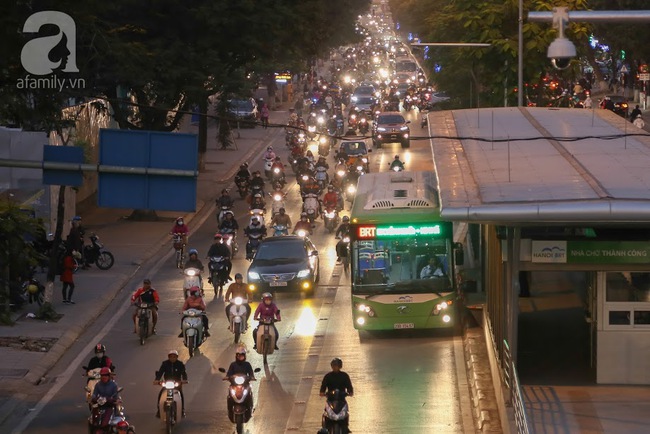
(76, 218)
(172, 352)
(282, 210)
(243, 166)
(228, 213)
(238, 276)
(122, 424)
(179, 221)
(330, 188)
(303, 214)
(224, 191)
(267, 295)
(195, 290)
(105, 371)
(269, 148)
(218, 236)
(397, 157)
(257, 195)
(346, 219)
(337, 362)
(99, 348)
(240, 350)
(194, 252)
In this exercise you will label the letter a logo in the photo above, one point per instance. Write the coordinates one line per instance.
(35, 56)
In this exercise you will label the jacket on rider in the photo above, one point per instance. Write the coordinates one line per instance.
(343, 230)
(194, 302)
(172, 371)
(240, 368)
(149, 296)
(330, 200)
(103, 362)
(108, 389)
(194, 263)
(336, 381)
(219, 249)
(229, 224)
(225, 200)
(180, 229)
(264, 311)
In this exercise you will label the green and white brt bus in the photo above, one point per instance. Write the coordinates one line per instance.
(395, 231)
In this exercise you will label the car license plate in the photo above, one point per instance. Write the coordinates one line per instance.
(278, 283)
(404, 325)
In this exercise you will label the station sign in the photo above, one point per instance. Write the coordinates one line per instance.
(371, 232)
(590, 252)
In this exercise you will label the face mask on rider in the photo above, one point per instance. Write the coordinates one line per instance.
(100, 355)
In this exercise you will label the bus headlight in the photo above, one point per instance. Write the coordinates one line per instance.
(361, 320)
(442, 306)
(366, 309)
(446, 318)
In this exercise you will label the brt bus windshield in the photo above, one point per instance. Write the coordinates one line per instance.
(401, 266)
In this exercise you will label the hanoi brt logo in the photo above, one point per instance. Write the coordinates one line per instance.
(46, 54)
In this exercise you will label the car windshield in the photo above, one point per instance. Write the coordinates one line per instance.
(278, 251)
(241, 104)
(354, 148)
(391, 119)
(364, 90)
(364, 100)
(406, 66)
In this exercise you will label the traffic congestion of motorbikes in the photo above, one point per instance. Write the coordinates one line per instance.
(327, 137)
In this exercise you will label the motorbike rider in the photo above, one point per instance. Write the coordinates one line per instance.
(278, 163)
(310, 156)
(257, 202)
(195, 301)
(171, 369)
(241, 367)
(225, 199)
(237, 289)
(100, 360)
(396, 163)
(106, 388)
(281, 219)
(337, 380)
(342, 231)
(229, 222)
(243, 173)
(322, 163)
(310, 186)
(180, 228)
(303, 224)
(194, 261)
(269, 154)
(267, 310)
(331, 198)
(257, 180)
(146, 294)
(218, 248)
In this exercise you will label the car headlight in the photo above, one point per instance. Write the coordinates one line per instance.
(303, 273)
(253, 275)
(382, 129)
(354, 98)
(404, 128)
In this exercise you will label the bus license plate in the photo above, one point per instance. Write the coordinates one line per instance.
(278, 283)
(404, 325)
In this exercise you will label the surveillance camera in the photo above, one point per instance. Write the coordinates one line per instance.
(561, 51)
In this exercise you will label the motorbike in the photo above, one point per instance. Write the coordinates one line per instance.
(363, 125)
(424, 119)
(259, 213)
(230, 240)
(344, 243)
(105, 414)
(144, 321)
(33, 291)
(396, 168)
(280, 230)
(324, 146)
(252, 245)
(265, 338)
(179, 248)
(192, 328)
(352, 122)
(321, 176)
(170, 404)
(95, 253)
(93, 378)
(221, 215)
(331, 219)
(268, 163)
(240, 399)
(238, 314)
(278, 201)
(311, 206)
(336, 413)
(277, 175)
(242, 186)
(218, 273)
(191, 278)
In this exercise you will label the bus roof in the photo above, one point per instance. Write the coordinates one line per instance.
(396, 197)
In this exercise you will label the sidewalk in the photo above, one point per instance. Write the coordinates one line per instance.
(132, 244)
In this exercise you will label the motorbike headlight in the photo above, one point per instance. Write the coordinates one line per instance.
(323, 140)
(276, 170)
(301, 233)
(170, 384)
(346, 239)
(303, 273)
(341, 173)
(301, 135)
(330, 214)
(253, 275)
(320, 120)
(359, 167)
(277, 198)
(311, 128)
(190, 272)
(352, 189)
(240, 380)
(305, 177)
(353, 117)
(238, 301)
(354, 98)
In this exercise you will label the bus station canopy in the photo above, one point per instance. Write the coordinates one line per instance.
(532, 166)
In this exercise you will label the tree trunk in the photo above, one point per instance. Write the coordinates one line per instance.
(203, 132)
(47, 310)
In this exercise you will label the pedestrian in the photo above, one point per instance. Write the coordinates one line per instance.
(588, 102)
(67, 277)
(264, 116)
(638, 122)
(299, 105)
(636, 112)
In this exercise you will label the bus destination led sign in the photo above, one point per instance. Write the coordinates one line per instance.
(367, 232)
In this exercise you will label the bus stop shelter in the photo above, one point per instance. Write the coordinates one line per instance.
(554, 190)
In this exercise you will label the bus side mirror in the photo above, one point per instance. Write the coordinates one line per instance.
(459, 254)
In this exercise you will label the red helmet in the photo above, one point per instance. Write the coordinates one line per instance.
(105, 371)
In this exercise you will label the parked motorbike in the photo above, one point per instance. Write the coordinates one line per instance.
(192, 328)
(265, 338)
(144, 321)
(95, 253)
(230, 240)
(191, 278)
(170, 404)
(218, 273)
(238, 314)
(240, 399)
(33, 291)
(280, 230)
(331, 219)
(336, 413)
